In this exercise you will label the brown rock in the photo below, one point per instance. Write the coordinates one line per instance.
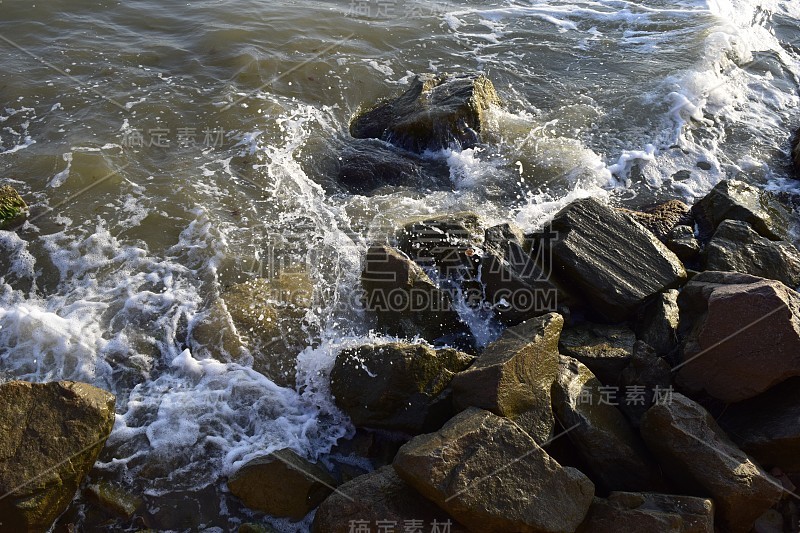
(488, 474)
(698, 456)
(657, 323)
(636, 511)
(661, 219)
(606, 350)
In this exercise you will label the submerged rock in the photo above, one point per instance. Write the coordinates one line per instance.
(459, 469)
(735, 200)
(742, 335)
(12, 207)
(114, 498)
(736, 247)
(282, 484)
(700, 458)
(374, 498)
(611, 260)
(50, 437)
(396, 386)
(641, 511)
(404, 299)
(766, 427)
(607, 444)
(435, 113)
(661, 219)
(369, 165)
(513, 376)
(605, 350)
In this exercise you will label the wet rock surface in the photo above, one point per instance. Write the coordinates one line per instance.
(50, 437)
(12, 207)
(612, 261)
(436, 112)
(741, 335)
(513, 376)
(458, 466)
(395, 386)
(700, 457)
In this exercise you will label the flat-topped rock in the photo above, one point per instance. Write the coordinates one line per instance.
(605, 350)
(641, 511)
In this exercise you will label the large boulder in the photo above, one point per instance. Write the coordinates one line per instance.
(699, 457)
(365, 166)
(767, 428)
(603, 437)
(281, 484)
(404, 299)
(638, 511)
(646, 378)
(488, 474)
(736, 200)
(50, 437)
(12, 207)
(662, 218)
(657, 322)
(396, 386)
(375, 498)
(606, 350)
(736, 247)
(742, 335)
(263, 321)
(610, 259)
(435, 113)
(514, 375)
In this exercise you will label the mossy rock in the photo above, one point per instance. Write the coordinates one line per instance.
(12, 207)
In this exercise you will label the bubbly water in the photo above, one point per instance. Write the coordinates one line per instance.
(170, 149)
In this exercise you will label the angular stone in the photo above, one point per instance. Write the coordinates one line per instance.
(365, 166)
(488, 474)
(449, 243)
(658, 321)
(736, 247)
(767, 428)
(404, 299)
(281, 484)
(12, 207)
(638, 511)
(433, 114)
(610, 259)
(616, 455)
(682, 242)
(50, 437)
(699, 456)
(646, 377)
(380, 496)
(736, 200)
(742, 335)
(606, 350)
(114, 498)
(396, 386)
(513, 376)
(661, 219)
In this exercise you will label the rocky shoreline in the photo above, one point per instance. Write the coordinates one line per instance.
(646, 378)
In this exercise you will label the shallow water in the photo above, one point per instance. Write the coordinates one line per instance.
(169, 149)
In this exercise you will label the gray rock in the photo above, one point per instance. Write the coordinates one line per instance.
(436, 112)
(658, 321)
(736, 247)
(281, 484)
(683, 243)
(698, 456)
(404, 299)
(606, 350)
(613, 261)
(603, 437)
(488, 474)
(796, 153)
(50, 437)
(643, 379)
(766, 427)
(735, 200)
(380, 496)
(449, 243)
(514, 375)
(742, 335)
(396, 386)
(636, 511)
